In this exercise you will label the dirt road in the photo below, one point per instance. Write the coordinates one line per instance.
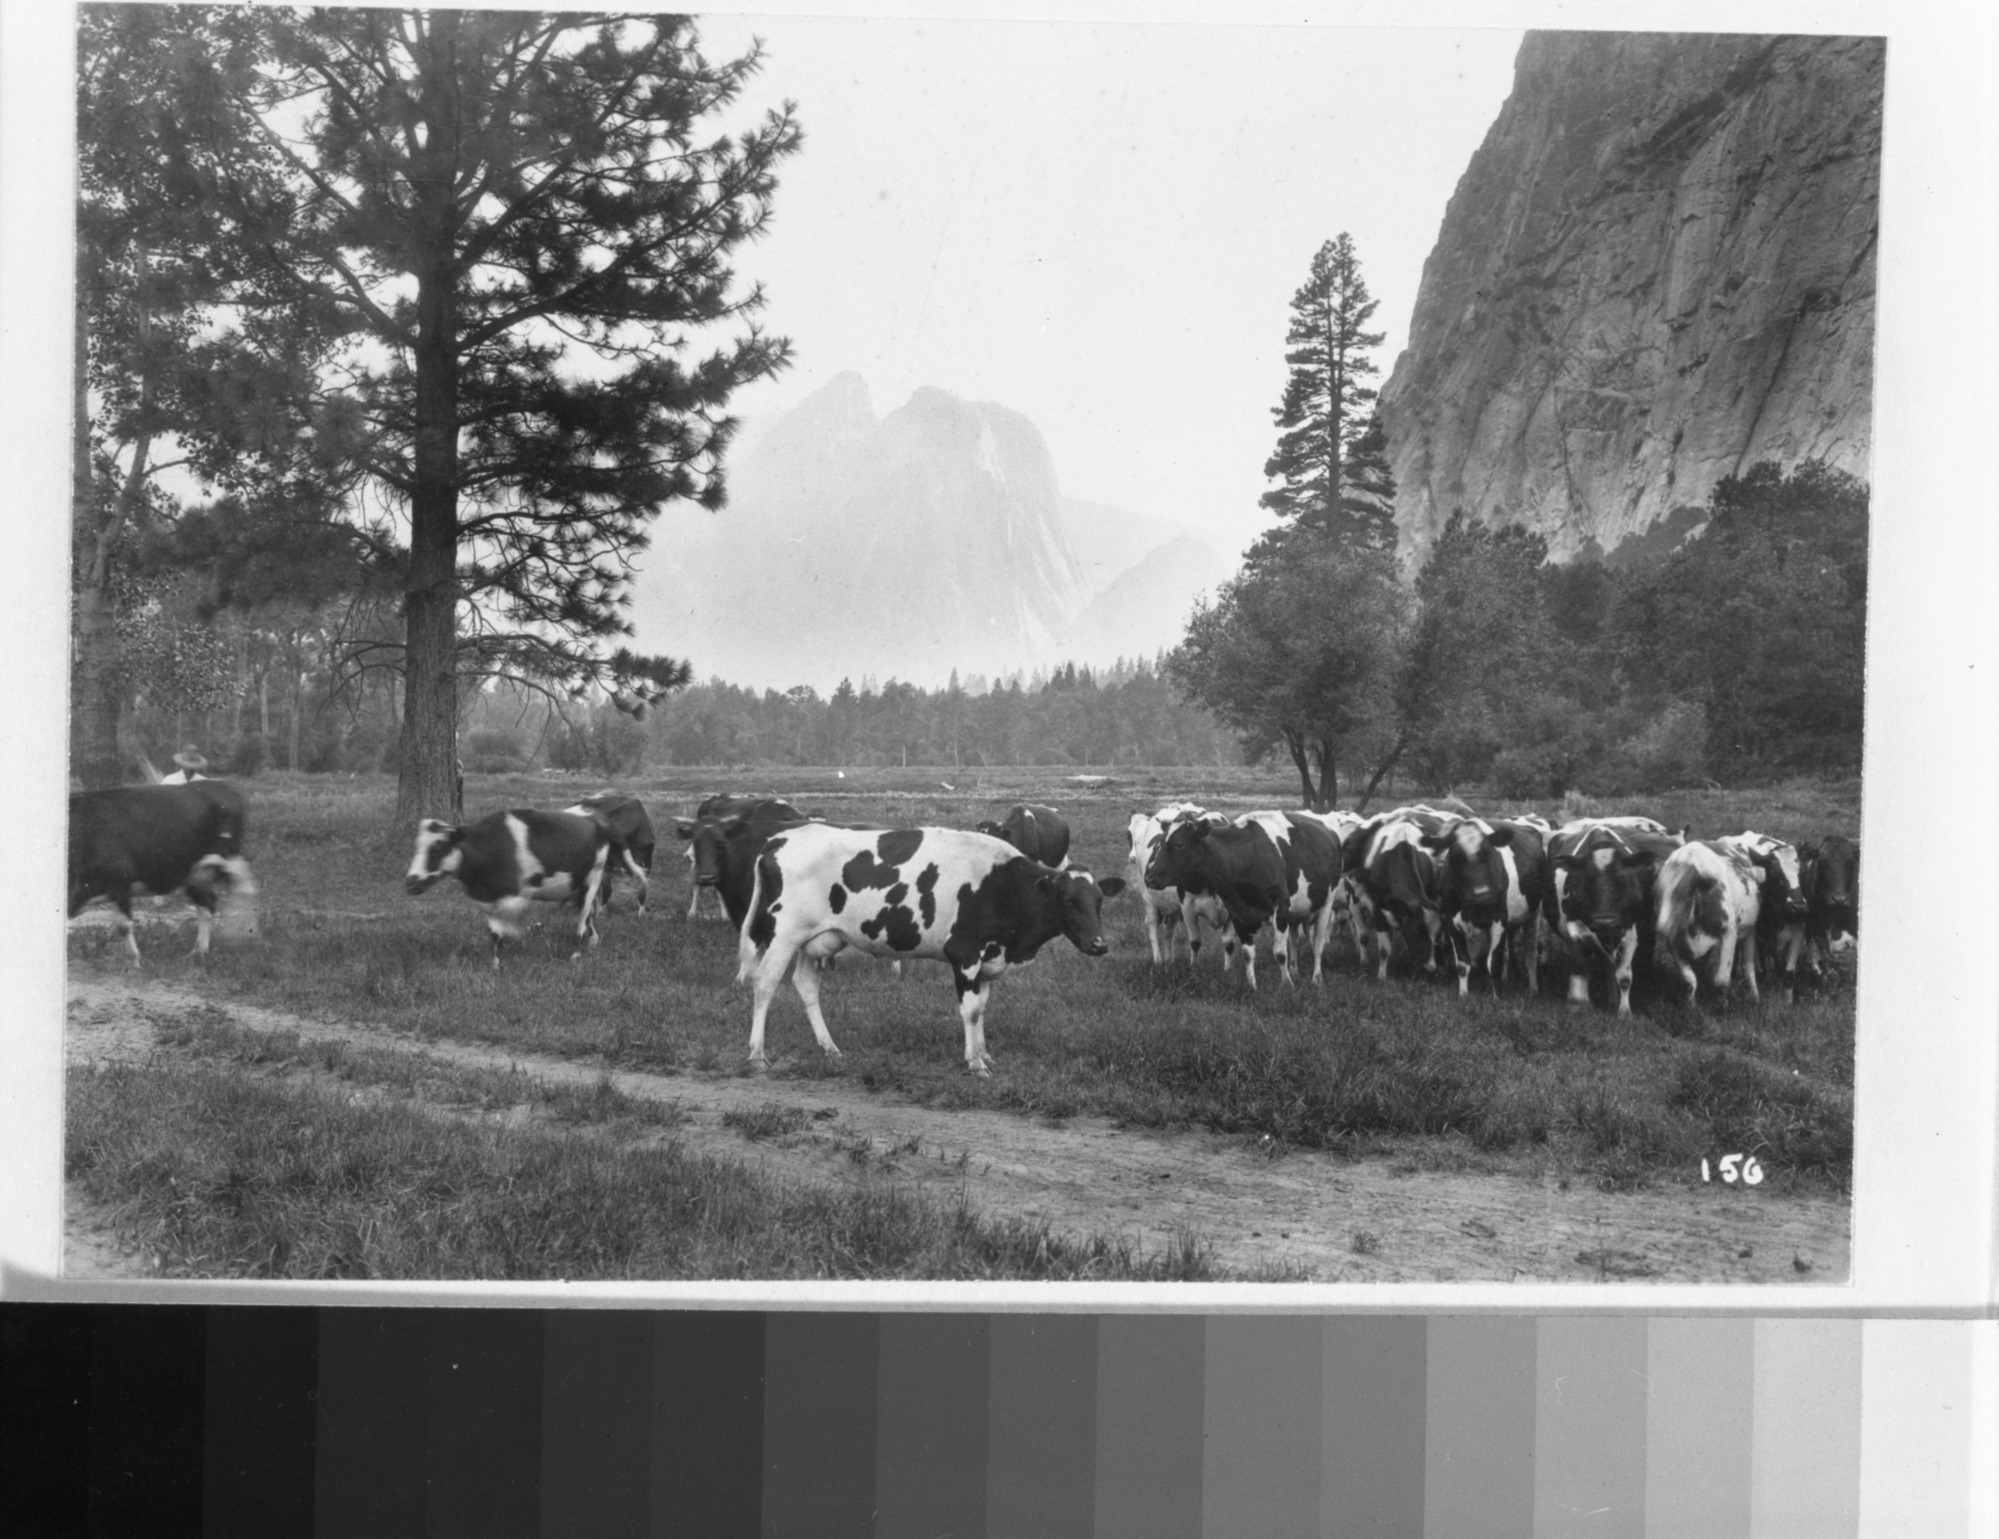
(1332, 1218)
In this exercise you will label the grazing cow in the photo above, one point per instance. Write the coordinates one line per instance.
(624, 817)
(1266, 869)
(1490, 882)
(508, 860)
(1039, 833)
(1165, 907)
(963, 898)
(1599, 898)
(158, 839)
(1710, 898)
(1830, 872)
(1780, 927)
(1393, 882)
(727, 804)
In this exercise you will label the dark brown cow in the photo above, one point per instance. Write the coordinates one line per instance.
(1039, 833)
(624, 817)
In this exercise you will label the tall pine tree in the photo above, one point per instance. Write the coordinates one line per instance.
(521, 225)
(1331, 456)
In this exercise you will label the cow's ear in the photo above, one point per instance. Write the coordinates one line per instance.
(1500, 834)
(683, 828)
(1111, 886)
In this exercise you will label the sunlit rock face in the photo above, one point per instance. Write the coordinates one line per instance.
(1656, 271)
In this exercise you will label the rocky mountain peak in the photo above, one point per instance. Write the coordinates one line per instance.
(1657, 270)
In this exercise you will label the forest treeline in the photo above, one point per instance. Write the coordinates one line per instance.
(1736, 659)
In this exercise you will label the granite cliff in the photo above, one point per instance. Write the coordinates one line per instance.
(1657, 270)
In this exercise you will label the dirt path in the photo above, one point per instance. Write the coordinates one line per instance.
(1302, 1210)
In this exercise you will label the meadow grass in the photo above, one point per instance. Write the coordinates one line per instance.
(1356, 1065)
(229, 1155)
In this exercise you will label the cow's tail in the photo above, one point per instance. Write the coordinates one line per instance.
(758, 926)
(1681, 899)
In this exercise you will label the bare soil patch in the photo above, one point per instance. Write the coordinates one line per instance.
(1263, 1209)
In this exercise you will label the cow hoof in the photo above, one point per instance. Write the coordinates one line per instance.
(979, 1069)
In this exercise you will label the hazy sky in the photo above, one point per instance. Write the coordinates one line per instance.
(1101, 226)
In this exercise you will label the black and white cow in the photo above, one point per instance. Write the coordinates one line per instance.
(158, 839)
(717, 809)
(963, 898)
(1710, 900)
(1600, 878)
(1392, 882)
(1039, 833)
(1266, 868)
(1166, 907)
(1830, 871)
(624, 817)
(1785, 912)
(508, 860)
(1490, 886)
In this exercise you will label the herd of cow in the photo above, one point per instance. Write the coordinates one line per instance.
(1600, 894)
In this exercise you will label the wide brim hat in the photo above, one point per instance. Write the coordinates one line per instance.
(189, 758)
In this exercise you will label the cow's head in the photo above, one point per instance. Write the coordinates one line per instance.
(1783, 885)
(1081, 897)
(708, 845)
(1178, 850)
(1470, 872)
(1830, 873)
(1604, 884)
(438, 851)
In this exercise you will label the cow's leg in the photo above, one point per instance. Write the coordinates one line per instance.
(503, 918)
(973, 991)
(1683, 960)
(806, 980)
(1247, 943)
(1459, 934)
(768, 973)
(1495, 956)
(1153, 926)
(1384, 942)
(204, 922)
(1281, 933)
(1627, 955)
(593, 890)
(1792, 945)
(1745, 940)
(639, 875)
(123, 903)
(694, 896)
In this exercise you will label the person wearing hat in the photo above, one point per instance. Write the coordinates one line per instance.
(191, 765)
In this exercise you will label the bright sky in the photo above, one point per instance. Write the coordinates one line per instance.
(1102, 225)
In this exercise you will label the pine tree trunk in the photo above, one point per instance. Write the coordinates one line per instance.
(94, 692)
(427, 783)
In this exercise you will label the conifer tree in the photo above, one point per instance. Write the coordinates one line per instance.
(520, 225)
(1331, 457)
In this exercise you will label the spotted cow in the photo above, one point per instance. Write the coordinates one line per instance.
(1599, 898)
(508, 860)
(1039, 833)
(1490, 885)
(1166, 907)
(967, 899)
(158, 839)
(1265, 868)
(1785, 911)
(1392, 882)
(1710, 900)
(624, 817)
